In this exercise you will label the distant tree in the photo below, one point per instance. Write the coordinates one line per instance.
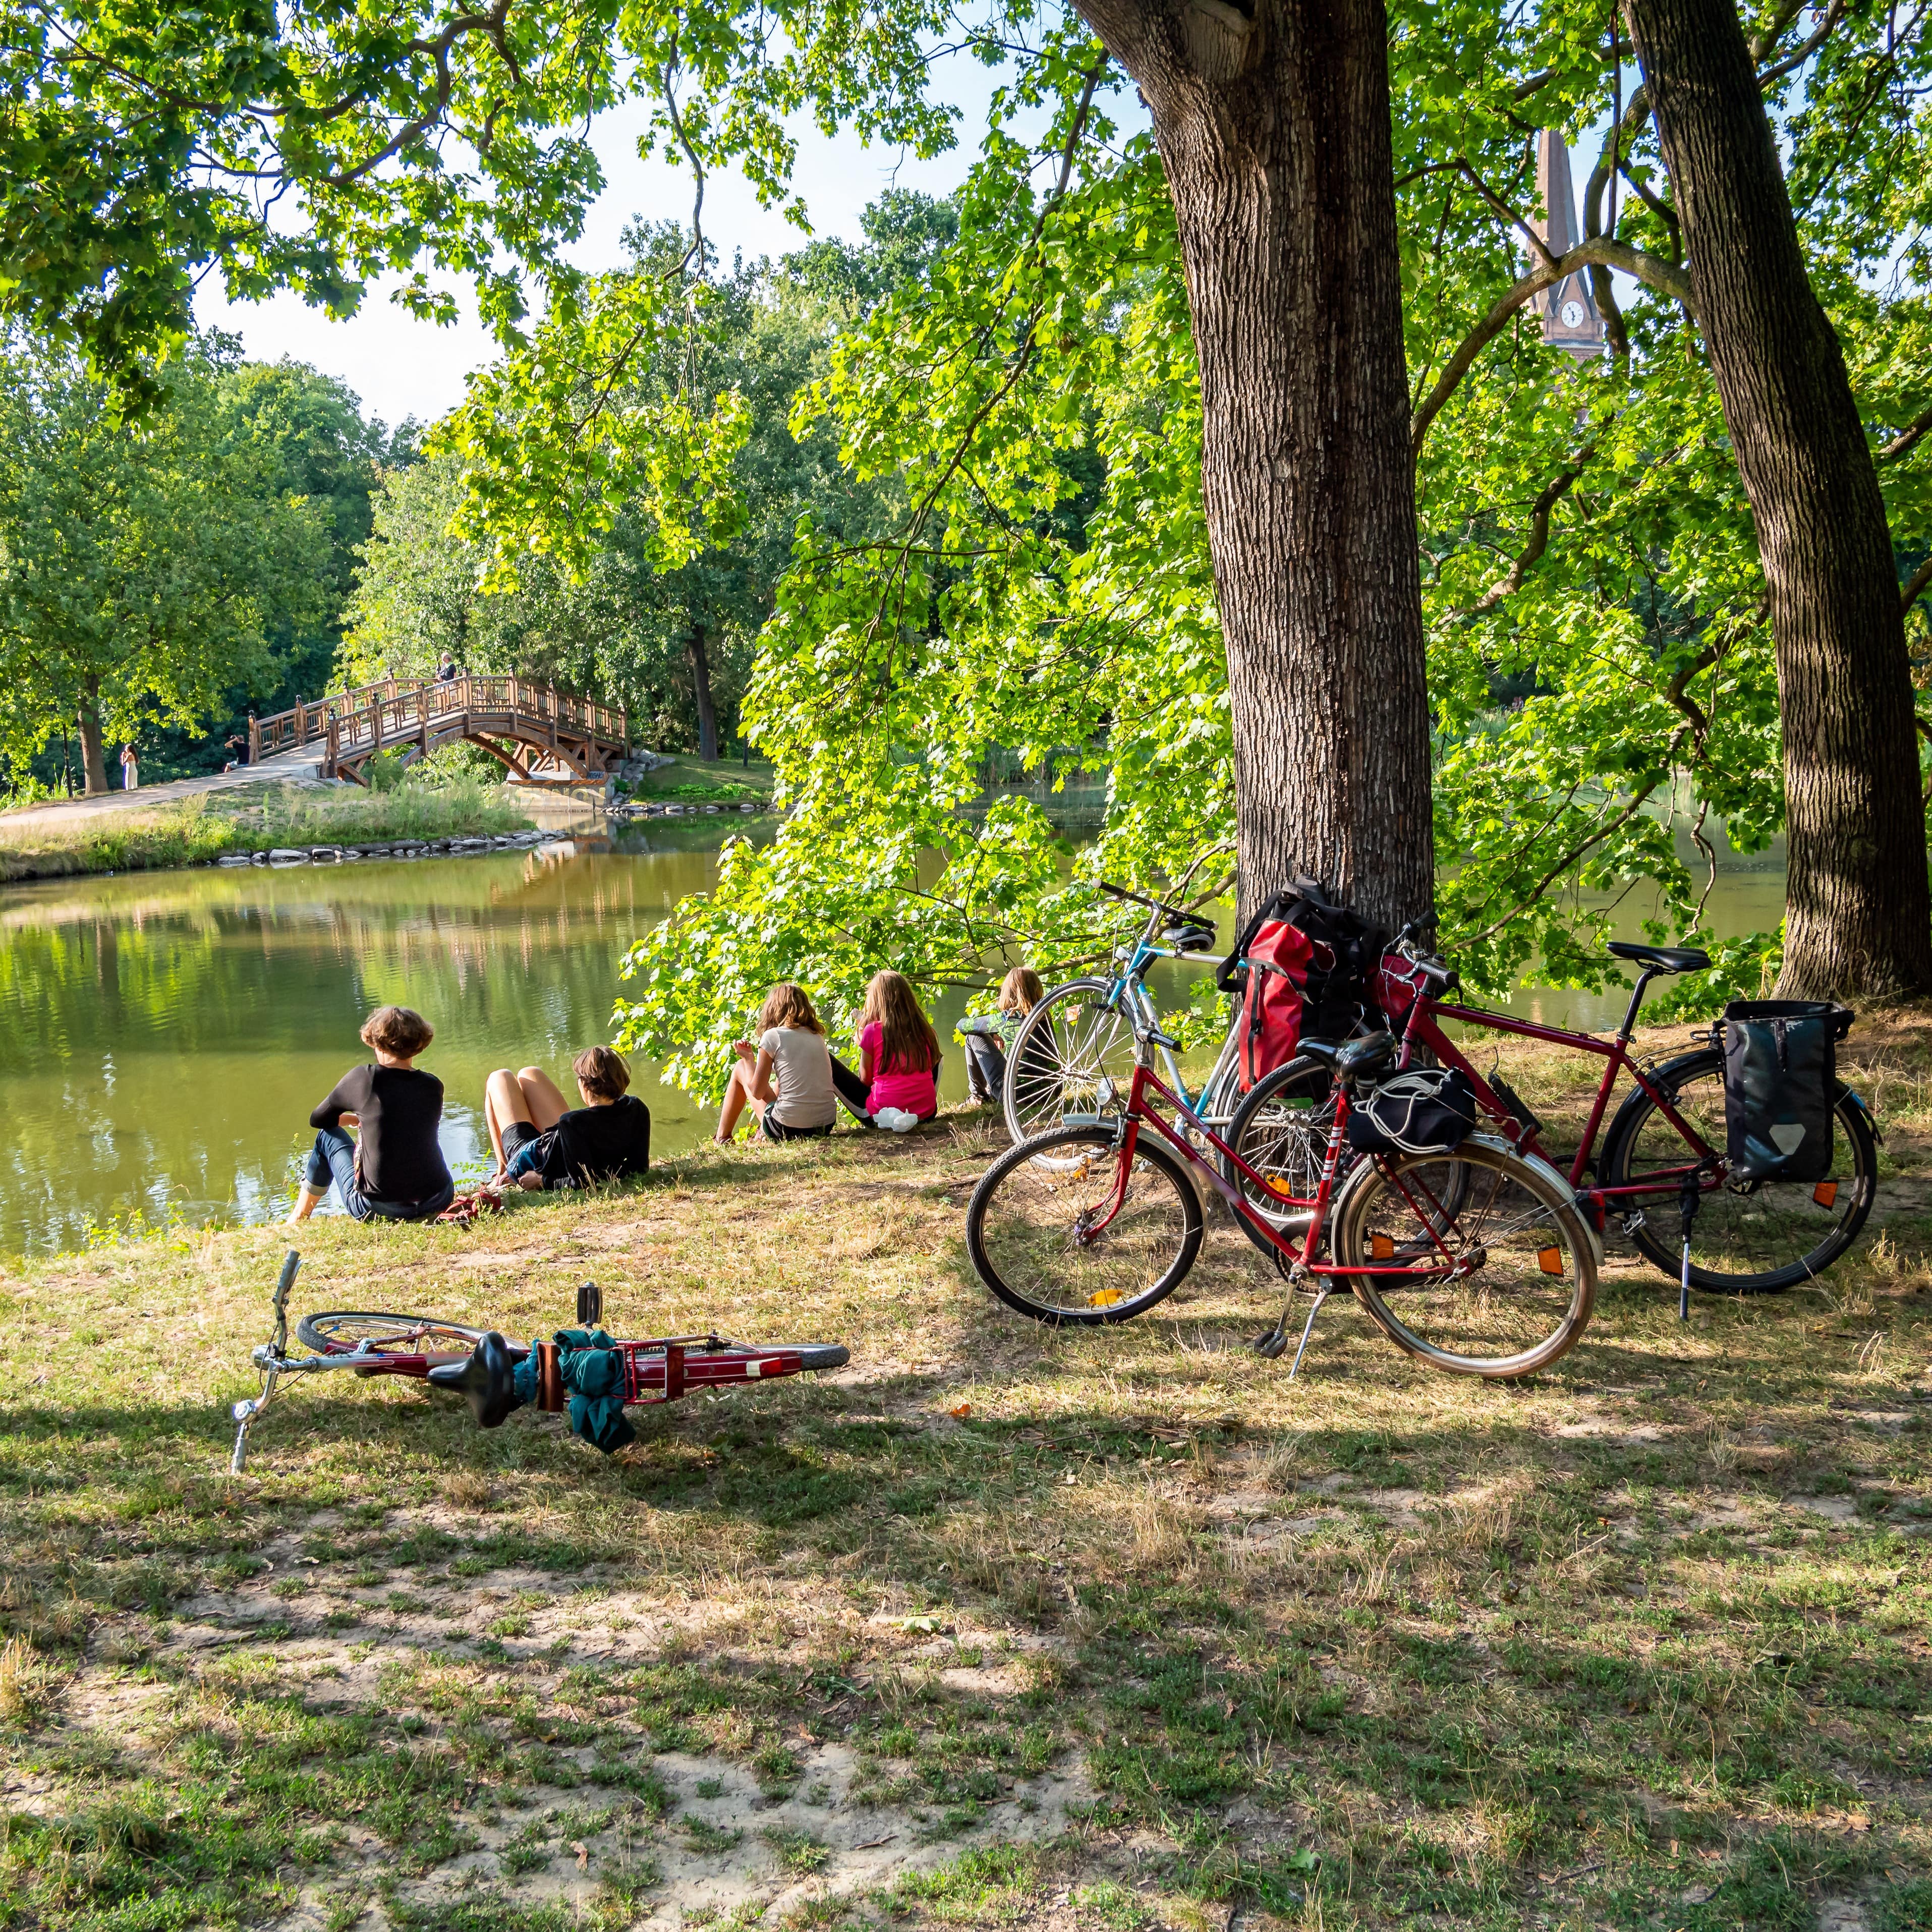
(606, 608)
(143, 564)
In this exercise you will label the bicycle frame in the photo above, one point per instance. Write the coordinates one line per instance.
(1130, 993)
(1422, 1030)
(1139, 1112)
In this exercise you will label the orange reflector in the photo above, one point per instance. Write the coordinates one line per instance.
(1825, 1192)
(1281, 1190)
(1381, 1248)
(1550, 1260)
(1103, 1298)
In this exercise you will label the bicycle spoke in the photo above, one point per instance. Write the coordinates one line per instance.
(1047, 1235)
(1498, 1278)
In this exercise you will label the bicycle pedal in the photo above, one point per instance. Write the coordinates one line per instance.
(1271, 1346)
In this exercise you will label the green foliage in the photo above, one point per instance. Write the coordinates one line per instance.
(142, 565)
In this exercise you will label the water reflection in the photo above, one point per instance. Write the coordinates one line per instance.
(163, 1037)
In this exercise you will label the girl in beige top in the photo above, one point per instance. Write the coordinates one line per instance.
(786, 1079)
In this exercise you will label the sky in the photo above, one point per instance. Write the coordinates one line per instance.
(400, 366)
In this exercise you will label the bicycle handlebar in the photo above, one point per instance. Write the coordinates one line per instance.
(1140, 898)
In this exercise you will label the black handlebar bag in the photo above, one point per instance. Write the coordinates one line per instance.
(1780, 1077)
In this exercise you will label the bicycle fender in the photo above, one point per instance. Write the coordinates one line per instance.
(1551, 1173)
(1358, 1176)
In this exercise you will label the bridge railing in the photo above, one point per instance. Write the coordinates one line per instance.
(352, 722)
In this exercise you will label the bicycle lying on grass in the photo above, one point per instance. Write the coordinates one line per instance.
(1475, 1260)
(595, 1379)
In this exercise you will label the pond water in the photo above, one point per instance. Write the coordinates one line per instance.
(164, 1035)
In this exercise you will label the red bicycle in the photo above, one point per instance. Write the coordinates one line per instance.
(1662, 1158)
(1474, 1258)
(483, 1365)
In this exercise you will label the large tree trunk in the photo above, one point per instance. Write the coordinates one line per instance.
(93, 760)
(1856, 914)
(701, 683)
(1274, 130)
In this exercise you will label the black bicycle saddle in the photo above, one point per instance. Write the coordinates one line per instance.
(1363, 1059)
(1661, 959)
(487, 1377)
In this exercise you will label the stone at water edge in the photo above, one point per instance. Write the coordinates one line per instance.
(284, 855)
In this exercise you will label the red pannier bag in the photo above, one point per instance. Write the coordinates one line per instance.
(1301, 965)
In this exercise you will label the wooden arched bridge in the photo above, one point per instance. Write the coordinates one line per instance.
(540, 734)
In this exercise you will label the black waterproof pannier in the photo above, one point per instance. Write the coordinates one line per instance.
(1780, 1077)
(1431, 1110)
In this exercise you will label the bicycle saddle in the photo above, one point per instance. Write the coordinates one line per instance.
(1662, 958)
(487, 1377)
(1363, 1059)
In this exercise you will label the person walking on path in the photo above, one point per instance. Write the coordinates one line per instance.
(131, 769)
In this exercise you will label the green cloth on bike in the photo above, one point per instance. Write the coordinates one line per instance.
(591, 1366)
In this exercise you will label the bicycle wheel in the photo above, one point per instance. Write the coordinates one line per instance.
(1280, 1129)
(1028, 1228)
(403, 1337)
(1071, 1041)
(1758, 1239)
(1499, 1281)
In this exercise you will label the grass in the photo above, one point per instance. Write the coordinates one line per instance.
(1641, 1643)
(689, 780)
(196, 831)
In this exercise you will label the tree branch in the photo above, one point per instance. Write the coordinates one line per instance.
(1905, 439)
(1653, 272)
(1915, 585)
(1552, 493)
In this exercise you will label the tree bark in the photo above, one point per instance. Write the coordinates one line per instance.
(1857, 919)
(1274, 126)
(701, 683)
(93, 760)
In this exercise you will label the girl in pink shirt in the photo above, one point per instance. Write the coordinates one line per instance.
(898, 1054)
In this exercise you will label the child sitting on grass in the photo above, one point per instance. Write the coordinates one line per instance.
(896, 1085)
(542, 1142)
(987, 1036)
(786, 1080)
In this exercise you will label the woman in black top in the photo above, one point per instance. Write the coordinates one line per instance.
(398, 1170)
(541, 1141)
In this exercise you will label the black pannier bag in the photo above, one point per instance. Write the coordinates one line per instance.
(1780, 1076)
(1431, 1110)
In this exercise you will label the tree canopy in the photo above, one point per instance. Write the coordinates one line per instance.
(1028, 401)
(144, 566)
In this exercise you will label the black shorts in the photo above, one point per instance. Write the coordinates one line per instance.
(517, 1135)
(773, 1128)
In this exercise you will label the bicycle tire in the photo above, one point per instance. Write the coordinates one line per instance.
(1727, 1221)
(1261, 1139)
(815, 1355)
(1038, 1179)
(1045, 1071)
(339, 1332)
(1533, 1282)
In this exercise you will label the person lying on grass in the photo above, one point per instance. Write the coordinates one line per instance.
(786, 1079)
(396, 1171)
(541, 1140)
(896, 1085)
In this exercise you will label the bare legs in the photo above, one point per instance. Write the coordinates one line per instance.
(529, 1095)
(740, 1092)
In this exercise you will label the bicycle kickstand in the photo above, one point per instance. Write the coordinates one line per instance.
(1686, 1206)
(1274, 1344)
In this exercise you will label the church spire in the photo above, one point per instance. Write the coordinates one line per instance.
(1570, 320)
